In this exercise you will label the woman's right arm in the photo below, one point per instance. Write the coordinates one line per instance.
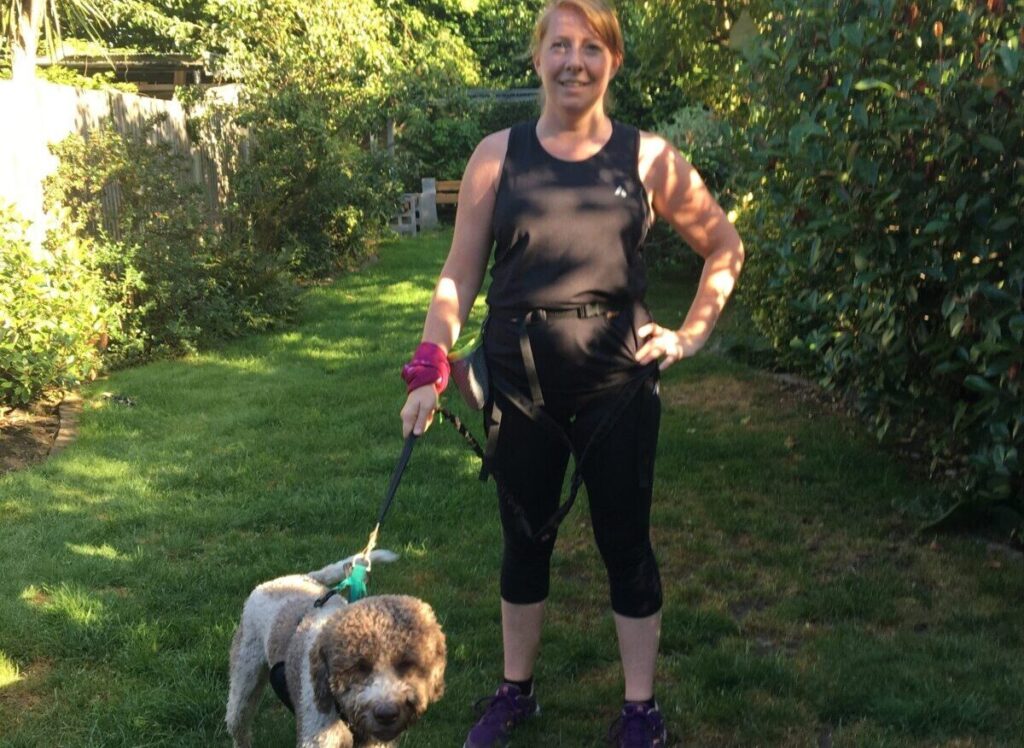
(463, 271)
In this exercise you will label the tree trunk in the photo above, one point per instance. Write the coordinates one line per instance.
(25, 43)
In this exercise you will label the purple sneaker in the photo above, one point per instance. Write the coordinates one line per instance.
(500, 714)
(639, 726)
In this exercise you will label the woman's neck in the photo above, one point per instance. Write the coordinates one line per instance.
(592, 125)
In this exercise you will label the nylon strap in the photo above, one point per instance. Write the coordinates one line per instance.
(534, 413)
(531, 366)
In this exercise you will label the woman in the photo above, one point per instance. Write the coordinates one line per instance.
(567, 201)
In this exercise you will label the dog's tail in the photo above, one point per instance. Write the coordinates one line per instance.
(334, 573)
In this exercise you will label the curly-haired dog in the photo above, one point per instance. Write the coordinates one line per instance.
(358, 674)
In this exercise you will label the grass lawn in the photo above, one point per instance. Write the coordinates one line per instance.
(800, 611)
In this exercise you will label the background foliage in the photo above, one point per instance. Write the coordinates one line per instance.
(869, 151)
(885, 159)
(321, 84)
(51, 314)
(170, 280)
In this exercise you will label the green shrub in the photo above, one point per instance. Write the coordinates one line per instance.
(308, 192)
(437, 139)
(320, 88)
(97, 82)
(51, 314)
(172, 280)
(886, 252)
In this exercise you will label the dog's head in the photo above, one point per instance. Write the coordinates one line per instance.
(381, 661)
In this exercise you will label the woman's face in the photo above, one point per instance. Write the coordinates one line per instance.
(574, 65)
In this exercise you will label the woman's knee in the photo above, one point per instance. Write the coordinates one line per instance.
(634, 581)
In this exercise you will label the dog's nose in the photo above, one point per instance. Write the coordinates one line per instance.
(385, 714)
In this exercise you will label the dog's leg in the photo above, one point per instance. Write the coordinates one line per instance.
(331, 574)
(249, 675)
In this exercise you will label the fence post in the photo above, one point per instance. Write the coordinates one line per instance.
(428, 203)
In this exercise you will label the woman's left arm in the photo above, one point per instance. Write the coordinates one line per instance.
(679, 196)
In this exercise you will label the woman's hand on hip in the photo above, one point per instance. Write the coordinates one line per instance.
(667, 345)
(418, 411)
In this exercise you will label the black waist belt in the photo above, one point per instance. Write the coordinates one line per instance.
(584, 311)
(530, 316)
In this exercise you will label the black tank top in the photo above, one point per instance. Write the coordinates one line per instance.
(569, 233)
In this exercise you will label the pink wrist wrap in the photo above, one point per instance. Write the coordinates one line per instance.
(429, 365)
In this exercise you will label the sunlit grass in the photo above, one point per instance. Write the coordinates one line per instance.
(800, 610)
(9, 672)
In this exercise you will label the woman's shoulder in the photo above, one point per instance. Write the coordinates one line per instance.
(651, 143)
(496, 143)
(656, 150)
(488, 158)
(651, 146)
(659, 160)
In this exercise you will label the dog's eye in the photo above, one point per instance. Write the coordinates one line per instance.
(404, 667)
(364, 666)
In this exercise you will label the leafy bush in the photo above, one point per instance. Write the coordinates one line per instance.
(170, 278)
(437, 139)
(308, 193)
(320, 87)
(98, 82)
(887, 237)
(51, 314)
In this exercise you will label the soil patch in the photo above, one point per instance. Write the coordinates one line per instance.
(29, 434)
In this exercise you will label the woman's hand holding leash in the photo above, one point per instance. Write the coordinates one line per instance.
(418, 411)
(426, 376)
(665, 344)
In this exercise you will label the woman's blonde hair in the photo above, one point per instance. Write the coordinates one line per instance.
(599, 15)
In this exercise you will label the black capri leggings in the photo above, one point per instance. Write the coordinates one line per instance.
(529, 465)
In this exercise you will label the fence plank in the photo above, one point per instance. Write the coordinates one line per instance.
(49, 112)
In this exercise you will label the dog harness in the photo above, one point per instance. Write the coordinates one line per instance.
(279, 682)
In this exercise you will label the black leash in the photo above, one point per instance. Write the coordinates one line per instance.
(396, 478)
(363, 559)
(463, 431)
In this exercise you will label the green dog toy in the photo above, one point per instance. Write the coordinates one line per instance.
(356, 581)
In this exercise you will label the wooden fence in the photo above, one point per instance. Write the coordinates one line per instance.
(42, 113)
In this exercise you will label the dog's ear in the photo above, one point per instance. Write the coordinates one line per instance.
(320, 674)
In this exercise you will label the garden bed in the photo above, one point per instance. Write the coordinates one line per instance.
(28, 433)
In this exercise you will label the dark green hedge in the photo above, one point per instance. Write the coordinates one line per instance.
(885, 249)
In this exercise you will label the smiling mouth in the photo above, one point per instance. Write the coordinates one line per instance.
(573, 84)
